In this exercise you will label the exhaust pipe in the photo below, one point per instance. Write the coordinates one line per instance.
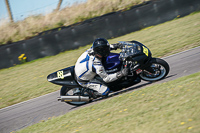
(73, 99)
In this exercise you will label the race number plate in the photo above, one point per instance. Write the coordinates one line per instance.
(138, 71)
(60, 74)
(145, 50)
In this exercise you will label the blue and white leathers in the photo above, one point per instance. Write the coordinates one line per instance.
(87, 67)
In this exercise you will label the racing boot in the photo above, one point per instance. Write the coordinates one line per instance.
(94, 94)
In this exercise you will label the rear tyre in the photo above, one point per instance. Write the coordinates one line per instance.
(73, 92)
(160, 68)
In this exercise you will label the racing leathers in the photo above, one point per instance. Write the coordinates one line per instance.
(87, 67)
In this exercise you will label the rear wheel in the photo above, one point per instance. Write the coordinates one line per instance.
(74, 92)
(160, 68)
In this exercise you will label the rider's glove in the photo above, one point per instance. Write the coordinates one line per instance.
(123, 72)
(119, 45)
(116, 46)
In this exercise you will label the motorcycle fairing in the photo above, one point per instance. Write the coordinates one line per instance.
(63, 77)
(143, 54)
(112, 63)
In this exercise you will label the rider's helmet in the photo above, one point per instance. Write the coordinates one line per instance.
(101, 47)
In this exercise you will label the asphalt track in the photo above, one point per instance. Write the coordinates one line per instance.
(24, 114)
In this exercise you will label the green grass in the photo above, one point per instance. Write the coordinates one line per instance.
(169, 107)
(27, 81)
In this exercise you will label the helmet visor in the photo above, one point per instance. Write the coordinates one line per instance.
(103, 51)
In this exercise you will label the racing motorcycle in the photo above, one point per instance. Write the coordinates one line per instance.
(134, 55)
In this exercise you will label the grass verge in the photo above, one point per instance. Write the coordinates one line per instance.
(170, 107)
(27, 81)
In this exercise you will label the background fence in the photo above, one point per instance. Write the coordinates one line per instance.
(107, 26)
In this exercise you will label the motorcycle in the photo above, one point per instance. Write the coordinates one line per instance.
(134, 55)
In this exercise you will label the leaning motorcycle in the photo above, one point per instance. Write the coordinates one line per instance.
(134, 55)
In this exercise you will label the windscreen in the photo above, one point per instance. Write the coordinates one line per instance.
(129, 49)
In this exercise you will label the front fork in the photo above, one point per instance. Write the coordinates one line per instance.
(147, 67)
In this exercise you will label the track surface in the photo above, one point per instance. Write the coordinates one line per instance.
(21, 115)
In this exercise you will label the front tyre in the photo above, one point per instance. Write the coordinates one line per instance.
(160, 68)
(74, 92)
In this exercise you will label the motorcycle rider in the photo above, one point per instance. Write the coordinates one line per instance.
(89, 64)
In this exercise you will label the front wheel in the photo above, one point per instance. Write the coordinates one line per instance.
(74, 92)
(160, 68)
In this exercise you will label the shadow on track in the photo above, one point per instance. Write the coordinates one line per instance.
(137, 86)
(170, 76)
(115, 94)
